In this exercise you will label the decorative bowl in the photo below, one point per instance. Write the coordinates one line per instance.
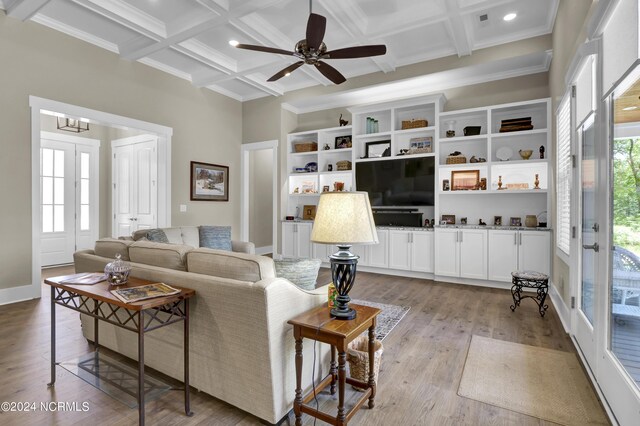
(525, 153)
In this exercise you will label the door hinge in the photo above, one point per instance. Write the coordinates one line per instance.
(114, 186)
(573, 302)
(114, 155)
(573, 232)
(573, 91)
(114, 216)
(574, 161)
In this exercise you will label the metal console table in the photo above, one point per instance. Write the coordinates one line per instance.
(534, 280)
(140, 317)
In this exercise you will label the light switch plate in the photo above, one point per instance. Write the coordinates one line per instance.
(183, 208)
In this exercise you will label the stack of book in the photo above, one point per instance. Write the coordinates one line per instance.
(516, 124)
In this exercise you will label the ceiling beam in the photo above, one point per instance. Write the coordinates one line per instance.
(457, 29)
(25, 9)
(127, 16)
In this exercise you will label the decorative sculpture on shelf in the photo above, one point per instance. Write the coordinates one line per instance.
(537, 182)
(541, 150)
(499, 182)
(481, 223)
(343, 122)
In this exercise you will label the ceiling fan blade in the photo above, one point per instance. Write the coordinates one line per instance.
(356, 52)
(282, 73)
(264, 49)
(316, 26)
(330, 72)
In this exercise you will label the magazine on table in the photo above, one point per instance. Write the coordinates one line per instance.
(84, 279)
(143, 292)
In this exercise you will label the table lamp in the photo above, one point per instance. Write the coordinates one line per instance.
(343, 219)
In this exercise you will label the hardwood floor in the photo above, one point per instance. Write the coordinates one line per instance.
(420, 373)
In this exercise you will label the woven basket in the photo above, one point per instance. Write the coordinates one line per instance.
(343, 165)
(456, 159)
(358, 357)
(413, 124)
(305, 146)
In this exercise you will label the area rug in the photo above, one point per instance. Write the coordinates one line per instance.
(388, 318)
(539, 382)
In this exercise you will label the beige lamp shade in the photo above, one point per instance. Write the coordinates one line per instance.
(344, 218)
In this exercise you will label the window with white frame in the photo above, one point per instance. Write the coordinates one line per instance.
(563, 181)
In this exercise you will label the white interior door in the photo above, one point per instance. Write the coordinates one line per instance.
(69, 194)
(135, 192)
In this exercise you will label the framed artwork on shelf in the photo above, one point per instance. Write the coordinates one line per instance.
(343, 142)
(445, 185)
(209, 182)
(378, 149)
(448, 219)
(515, 221)
(464, 180)
(421, 145)
(497, 220)
(309, 212)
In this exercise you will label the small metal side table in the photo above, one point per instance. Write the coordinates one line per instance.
(140, 317)
(318, 325)
(530, 279)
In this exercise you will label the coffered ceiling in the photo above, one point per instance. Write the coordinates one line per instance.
(190, 38)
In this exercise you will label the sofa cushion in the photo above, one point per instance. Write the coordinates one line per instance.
(226, 264)
(215, 237)
(109, 247)
(301, 272)
(172, 256)
(190, 235)
(157, 235)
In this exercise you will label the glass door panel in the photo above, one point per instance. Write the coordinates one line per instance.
(589, 227)
(625, 226)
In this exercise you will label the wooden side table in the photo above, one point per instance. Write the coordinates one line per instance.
(318, 325)
(140, 317)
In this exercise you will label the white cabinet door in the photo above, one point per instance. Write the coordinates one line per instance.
(304, 240)
(473, 254)
(503, 254)
(422, 252)
(289, 240)
(400, 250)
(377, 254)
(361, 251)
(534, 251)
(446, 247)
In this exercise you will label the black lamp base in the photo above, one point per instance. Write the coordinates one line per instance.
(343, 272)
(343, 315)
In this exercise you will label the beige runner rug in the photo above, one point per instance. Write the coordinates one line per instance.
(539, 382)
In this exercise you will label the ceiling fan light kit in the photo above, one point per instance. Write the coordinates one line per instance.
(313, 51)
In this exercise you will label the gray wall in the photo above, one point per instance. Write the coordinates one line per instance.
(261, 169)
(207, 126)
(568, 34)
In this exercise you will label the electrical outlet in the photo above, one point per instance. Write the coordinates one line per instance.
(183, 208)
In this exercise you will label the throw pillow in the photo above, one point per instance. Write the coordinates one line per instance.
(301, 272)
(215, 237)
(157, 236)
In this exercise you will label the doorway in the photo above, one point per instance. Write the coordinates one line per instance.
(49, 107)
(259, 206)
(69, 201)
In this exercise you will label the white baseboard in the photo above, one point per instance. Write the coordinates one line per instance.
(18, 294)
(561, 308)
(264, 250)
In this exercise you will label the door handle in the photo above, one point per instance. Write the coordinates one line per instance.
(515, 239)
(135, 219)
(131, 219)
(595, 247)
(461, 236)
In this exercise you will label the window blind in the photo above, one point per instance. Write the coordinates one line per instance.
(563, 182)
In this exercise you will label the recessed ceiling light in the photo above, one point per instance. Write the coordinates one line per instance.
(234, 43)
(510, 16)
(631, 108)
(287, 74)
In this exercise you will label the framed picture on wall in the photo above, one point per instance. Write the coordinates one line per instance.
(209, 182)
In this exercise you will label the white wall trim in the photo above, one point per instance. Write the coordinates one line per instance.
(431, 83)
(244, 189)
(19, 294)
(69, 138)
(47, 106)
(561, 308)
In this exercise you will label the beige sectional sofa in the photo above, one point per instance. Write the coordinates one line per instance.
(241, 348)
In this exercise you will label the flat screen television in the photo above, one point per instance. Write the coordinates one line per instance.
(398, 182)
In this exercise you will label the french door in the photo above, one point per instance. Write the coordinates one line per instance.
(588, 290)
(68, 196)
